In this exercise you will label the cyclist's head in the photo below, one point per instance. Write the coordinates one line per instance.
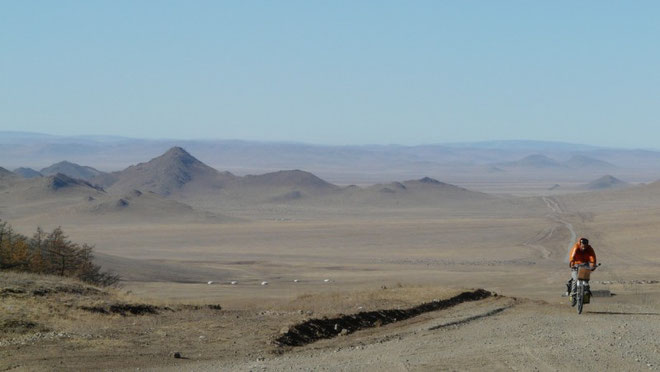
(584, 242)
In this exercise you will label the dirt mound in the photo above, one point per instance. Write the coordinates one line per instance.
(317, 329)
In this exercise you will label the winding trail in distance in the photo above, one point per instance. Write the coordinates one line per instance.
(557, 211)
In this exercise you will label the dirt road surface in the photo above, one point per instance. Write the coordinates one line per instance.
(499, 333)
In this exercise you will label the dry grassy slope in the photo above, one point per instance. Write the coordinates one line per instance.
(62, 324)
(136, 206)
(38, 303)
(57, 323)
(36, 197)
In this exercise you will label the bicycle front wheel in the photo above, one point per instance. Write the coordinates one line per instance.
(580, 299)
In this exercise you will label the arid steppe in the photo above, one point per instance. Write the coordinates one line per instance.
(298, 248)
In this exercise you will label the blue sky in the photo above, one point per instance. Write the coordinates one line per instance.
(334, 72)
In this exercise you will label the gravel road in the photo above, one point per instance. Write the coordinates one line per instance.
(495, 334)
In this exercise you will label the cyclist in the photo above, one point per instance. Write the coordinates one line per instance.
(582, 253)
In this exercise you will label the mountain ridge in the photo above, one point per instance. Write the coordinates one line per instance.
(168, 173)
(72, 170)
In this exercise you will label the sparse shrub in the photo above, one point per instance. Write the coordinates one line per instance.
(50, 253)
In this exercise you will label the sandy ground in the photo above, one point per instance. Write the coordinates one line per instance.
(518, 252)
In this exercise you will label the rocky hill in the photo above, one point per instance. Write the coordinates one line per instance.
(27, 172)
(72, 170)
(167, 174)
(605, 182)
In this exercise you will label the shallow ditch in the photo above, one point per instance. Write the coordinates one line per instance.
(125, 309)
(317, 329)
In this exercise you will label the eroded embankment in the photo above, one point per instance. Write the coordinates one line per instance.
(317, 329)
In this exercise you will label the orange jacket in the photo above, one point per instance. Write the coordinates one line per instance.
(578, 256)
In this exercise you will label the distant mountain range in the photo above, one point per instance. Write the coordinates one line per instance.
(574, 162)
(494, 161)
(176, 184)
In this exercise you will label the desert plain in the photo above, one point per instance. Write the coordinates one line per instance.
(278, 249)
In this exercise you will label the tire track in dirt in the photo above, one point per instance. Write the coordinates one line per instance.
(471, 318)
(557, 211)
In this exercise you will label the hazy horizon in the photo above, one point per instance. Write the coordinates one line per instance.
(492, 142)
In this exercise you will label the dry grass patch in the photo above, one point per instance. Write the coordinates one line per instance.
(355, 300)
